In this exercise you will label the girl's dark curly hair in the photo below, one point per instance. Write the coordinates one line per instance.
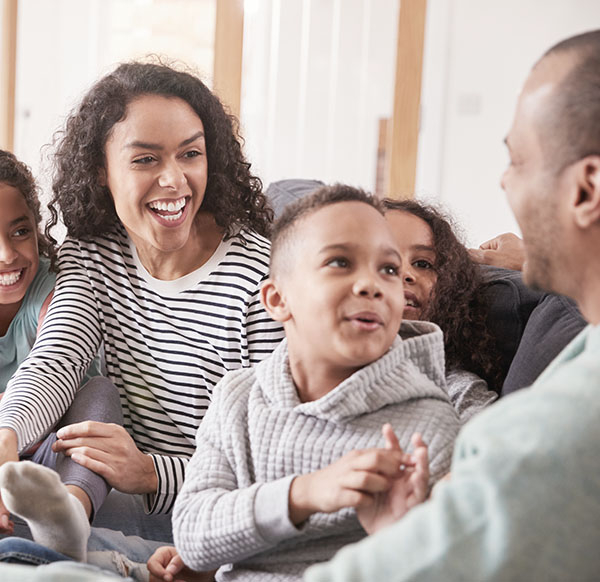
(233, 195)
(18, 175)
(457, 303)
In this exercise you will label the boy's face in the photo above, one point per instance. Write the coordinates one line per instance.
(342, 293)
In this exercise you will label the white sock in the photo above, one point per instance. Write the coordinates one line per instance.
(56, 518)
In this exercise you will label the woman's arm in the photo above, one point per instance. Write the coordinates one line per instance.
(43, 387)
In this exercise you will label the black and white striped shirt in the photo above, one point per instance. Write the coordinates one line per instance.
(167, 343)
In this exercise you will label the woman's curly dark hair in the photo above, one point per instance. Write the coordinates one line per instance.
(19, 176)
(457, 303)
(233, 195)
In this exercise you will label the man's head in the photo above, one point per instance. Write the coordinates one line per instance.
(553, 180)
(335, 279)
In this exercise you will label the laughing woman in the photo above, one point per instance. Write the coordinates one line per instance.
(165, 252)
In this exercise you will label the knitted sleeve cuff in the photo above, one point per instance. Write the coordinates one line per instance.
(271, 511)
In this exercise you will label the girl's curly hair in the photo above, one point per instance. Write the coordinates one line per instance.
(233, 195)
(19, 176)
(457, 303)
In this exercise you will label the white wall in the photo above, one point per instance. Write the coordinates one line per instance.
(317, 76)
(477, 55)
(63, 46)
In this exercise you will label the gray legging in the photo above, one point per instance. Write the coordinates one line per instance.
(97, 400)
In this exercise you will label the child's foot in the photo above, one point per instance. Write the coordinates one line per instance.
(56, 518)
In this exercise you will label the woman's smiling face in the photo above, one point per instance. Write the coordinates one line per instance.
(156, 171)
(417, 248)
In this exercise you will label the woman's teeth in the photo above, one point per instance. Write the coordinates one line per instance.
(173, 206)
(11, 278)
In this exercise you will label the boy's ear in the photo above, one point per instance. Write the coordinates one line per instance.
(274, 301)
(586, 207)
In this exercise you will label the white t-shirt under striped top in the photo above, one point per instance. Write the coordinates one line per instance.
(166, 343)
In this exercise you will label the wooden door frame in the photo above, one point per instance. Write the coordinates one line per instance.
(403, 139)
(8, 69)
(229, 43)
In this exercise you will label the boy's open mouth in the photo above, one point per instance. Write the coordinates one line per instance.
(367, 320)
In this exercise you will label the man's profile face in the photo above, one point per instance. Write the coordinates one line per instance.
(530, 182)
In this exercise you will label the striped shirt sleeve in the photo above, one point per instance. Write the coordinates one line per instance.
(44, 386)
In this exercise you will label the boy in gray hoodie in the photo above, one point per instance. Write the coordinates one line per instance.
(290, 462)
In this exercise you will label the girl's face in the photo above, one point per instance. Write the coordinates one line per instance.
(19, 257)
(415, 241)
(156, 170)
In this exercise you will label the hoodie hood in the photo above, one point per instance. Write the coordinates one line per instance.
(412, 368)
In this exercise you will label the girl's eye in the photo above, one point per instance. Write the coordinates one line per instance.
(423, 264)
(192, 154)
(392, 270)
(338, 262)
(143, 161)
(22, 232)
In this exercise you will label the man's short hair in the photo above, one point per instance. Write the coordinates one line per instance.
(570, 129)
(282, 232)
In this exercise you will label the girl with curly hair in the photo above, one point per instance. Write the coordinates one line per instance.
(443, 285)
(165, 253)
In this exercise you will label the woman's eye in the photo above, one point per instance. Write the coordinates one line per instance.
(393, 270)
(338, 262)
(192, 154)
(143, 161)
(423, 264)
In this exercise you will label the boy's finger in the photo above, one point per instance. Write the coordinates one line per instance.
(391, 441)
(417, 441)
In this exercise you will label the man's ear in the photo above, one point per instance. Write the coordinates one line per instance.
(274, 301)
(586, 209)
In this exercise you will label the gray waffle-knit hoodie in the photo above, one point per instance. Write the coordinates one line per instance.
(257, 436)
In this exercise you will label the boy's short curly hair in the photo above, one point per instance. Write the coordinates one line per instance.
(233, 195)
(457, 303)
(282, 231)
(19, 176)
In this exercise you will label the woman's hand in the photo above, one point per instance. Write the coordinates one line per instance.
(165, 565)
(8, 452)
(109, 450)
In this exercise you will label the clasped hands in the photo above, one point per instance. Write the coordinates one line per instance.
(382, 484)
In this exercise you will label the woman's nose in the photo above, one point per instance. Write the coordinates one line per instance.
(171, 176)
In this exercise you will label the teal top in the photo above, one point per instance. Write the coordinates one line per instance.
(523, 502)
(16, 344)
(19, 338)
